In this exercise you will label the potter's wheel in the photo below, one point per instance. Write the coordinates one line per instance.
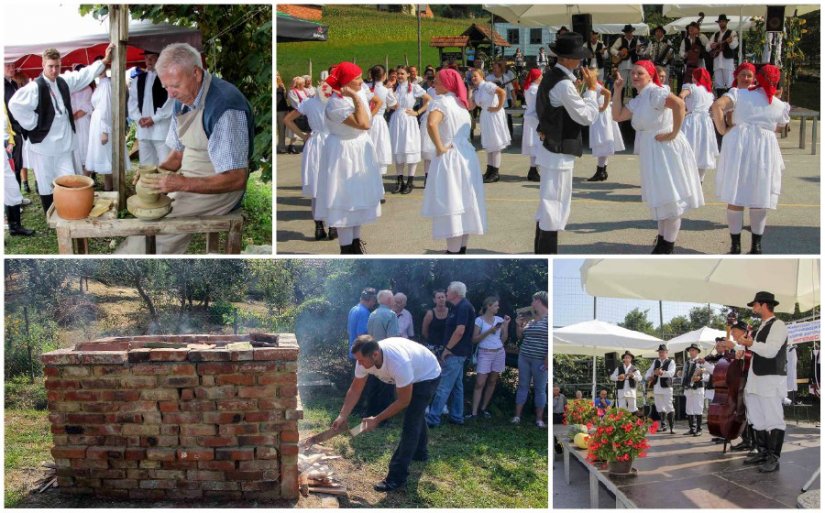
(149, 211)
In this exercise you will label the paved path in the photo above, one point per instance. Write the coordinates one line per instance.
(607, 217)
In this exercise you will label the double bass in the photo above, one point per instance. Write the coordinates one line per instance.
(726, 413)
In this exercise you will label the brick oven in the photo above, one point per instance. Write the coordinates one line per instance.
(176, 417)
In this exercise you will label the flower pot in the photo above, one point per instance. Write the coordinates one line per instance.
(620, 468)
(74, 196)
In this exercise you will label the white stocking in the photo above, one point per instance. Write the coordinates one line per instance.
(602, 161)
(736, 218)
(759, 218)
(464, 240)
(670, 228)
(399, 169)
(494, 159)
(702, 175)
(411, 169)
(356, 232)
(345, 236)
(426, 167)
(533, 161)
(454, 244)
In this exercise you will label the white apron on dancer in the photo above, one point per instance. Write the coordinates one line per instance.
(427, 146)
(405, 134)
(529, 131)
(379, 131)
(495, 136)
(698, 126)
(313, 109)
(605, 135)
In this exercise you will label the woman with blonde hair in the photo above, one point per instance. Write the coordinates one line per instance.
(490, 333)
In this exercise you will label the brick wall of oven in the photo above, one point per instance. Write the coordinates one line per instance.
(135, 422)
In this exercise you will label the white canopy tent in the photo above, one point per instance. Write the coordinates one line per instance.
(703, 337)
(642, 29)
(542, 15)
(719, 280)
(678, 10)
(595, 338)
(709, 24)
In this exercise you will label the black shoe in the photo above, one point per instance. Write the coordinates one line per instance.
(387, 486)
(776, 438)
(735, 244)
(761, 456)
(359, 247)
(399, 185)
(533, 175)
(463, 250)
(455, 423)
(26, 188)
(670, 421)
(15, 226)
(320, 233)
(667, 247)
(408, 187)
(698, 423)
(756, 245)
(657, 249)
(692, 429)
(333, 233)
(291, 150)
(346, 250)
(600, 175)
(491, 176)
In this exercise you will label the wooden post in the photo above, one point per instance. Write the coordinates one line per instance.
(387, 64)
(119, 36)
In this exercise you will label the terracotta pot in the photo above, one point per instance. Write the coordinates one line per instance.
(74, 196)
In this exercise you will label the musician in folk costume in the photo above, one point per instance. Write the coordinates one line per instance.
(661, 374)
(595, 55)
(624, 52)
(626, 377)
(721, 46)
(692, 49)
(709, 364)
(766, 386)
(694, 377)
(660, 51)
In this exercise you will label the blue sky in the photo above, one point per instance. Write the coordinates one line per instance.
(571, 304)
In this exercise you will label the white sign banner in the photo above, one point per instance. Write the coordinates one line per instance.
(799, 332)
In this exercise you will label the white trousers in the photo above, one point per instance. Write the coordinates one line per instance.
(723, 78)
(765, 413)
(152, 153)
(663, 399)
(47, 168)
(627, 403)
(555, 193)
(11, 189)
(694, 401)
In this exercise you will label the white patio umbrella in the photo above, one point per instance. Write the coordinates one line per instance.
(726, 281)
(542, 15)
(595, 338)
(641, 29)
(703, 337)
(679, 10)
(709, 24)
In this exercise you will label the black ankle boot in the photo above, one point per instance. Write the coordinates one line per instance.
(667, 247)
(698, 423)
(359, 247)
(600, 175)
(491, 176)
(776, 437)
(735, 244)
(46, 200)
(15, 226)
(533, 175)
(690, 423)
(333, 233)
(408, 187)
(320, 233)
(548, 243)
(670, 421)
(399, 185)
(463, 250)
(291, 150)
(756, 245)
(657, 249)
(346, 250)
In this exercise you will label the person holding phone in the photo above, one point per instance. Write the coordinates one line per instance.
(532, 359)
(490, 333)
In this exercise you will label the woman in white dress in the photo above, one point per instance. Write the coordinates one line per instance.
(454, 197)
(349, 178)
(405, 134)
(82, 112)
(313, 109)
(669, 176)
(296, 95)
(379, 131)
(529, 131)
(605, 136)
(99, 152)
(495, 136)
(698, 127)
(427, 146)
(749, 173)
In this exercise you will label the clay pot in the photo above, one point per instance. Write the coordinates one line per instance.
(74, 196)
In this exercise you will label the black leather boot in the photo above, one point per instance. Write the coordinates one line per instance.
(463, 250)
(657, 249)
(15, 226)
(698, 425)
(735, 244)
(670, 421)
(776, 438)
(491, 176)
(667, 247)
(548, 243)
(46, 200)
(359, 247)
(761, 455)
(291, 150)
(533, 175)
(399, 185)
(690, 423)
(756, 245)
(408, 187)
(600, 175)
(320, 233)
(333, 233)
(346, 250)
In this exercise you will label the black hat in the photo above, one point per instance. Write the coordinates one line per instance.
(693, 24)
(628, 28)
(628, 353)
(562, 30)
(150, 52)
(722, 17)
(720, 339)
(694, 346)
(659, 27)
(662, 347)
(569, 45)
(740, 325)
(764, 297)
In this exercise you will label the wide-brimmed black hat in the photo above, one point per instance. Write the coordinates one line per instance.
(694, 346)
(764, 297)
(720, 339)
(722, 17)
(662, 347)
(628, 28)
(740, 325)
(659, 27)
(628, 353)
(569, 46)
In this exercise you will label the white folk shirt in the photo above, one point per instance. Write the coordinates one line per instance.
(582, 109)
(720, 62)
(667, 373)
(161, 118)
(628, 390)
(768, 386)
(405, 362)
(60, 138)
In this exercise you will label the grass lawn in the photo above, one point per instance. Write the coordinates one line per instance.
(367, 36)
(484, 464)
(28, 444)
(257, 228)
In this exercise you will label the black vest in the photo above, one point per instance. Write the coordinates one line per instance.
(687, 376)
(631, 48)
(561, 133)
(663, 381)
(698, 43)
(630, 372)
(159, 94)
(598, 53)
(727, 53)
(10, 88)
(45, 109)
(775, 366)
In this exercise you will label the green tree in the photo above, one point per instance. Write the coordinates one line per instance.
(637, 320)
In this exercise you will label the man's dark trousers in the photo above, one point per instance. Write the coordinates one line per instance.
(413, 443)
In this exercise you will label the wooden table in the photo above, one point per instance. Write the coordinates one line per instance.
(803, 115)
(77, 233)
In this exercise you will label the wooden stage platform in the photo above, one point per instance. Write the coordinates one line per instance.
(691, 472)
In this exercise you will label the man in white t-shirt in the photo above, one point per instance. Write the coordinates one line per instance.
(415, 372)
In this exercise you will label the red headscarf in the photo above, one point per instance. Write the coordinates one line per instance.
(532, 76)
(454, 83)
(701, 77)
(742, 67)
(651, 70)
(343, 74)
(768, 79)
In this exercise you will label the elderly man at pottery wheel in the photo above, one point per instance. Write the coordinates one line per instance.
(211, 136)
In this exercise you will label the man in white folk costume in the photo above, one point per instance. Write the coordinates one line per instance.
(151, 109)
(626, 376)
(44, 110)
(722, 46)
(661, 373)
(211, 140)
(694, 376)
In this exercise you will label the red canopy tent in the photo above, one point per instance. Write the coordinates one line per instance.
(32, 65)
